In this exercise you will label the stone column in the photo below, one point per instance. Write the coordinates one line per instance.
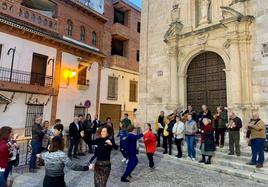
(173, 56)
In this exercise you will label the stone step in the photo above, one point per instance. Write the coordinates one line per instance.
(258, 175)
(220, 153)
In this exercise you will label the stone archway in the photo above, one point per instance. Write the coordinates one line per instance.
(206, 81)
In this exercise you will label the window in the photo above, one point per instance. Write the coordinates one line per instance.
(82, 33)
(82, 75)
(69, 28)
(79, 110)
(1, 46)
(139, 27)
(138, 55)
(39, 66)
(133, 91)
(94, 38)
(119, 17)
(112, 88)
(33, 111)
(118, 47)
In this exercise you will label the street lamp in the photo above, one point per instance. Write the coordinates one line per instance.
(69, 74)
(13, 50)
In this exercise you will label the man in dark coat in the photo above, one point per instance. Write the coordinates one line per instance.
(37, 137)
(205, 113)
(88, 129)
(74, 132)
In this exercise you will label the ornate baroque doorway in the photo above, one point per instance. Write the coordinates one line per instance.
(206, 82)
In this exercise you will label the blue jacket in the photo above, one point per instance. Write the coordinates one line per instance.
(131, 144)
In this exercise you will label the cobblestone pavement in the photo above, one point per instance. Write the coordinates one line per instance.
(168, 173)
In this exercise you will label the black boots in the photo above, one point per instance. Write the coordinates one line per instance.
(209, 160)
(123, 179)
(203, 159)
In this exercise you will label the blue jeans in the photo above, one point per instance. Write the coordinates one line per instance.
(36, 148)
(257, 148)
(2, 180)
(190, 139)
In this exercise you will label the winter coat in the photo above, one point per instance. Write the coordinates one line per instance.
(150, 142)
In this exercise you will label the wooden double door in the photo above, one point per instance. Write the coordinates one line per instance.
(206, 82)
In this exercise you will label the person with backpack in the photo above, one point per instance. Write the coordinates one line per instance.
(150, 144)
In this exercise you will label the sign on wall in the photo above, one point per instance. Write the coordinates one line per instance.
(97, 5)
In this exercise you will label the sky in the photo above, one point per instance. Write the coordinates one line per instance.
(136, 2)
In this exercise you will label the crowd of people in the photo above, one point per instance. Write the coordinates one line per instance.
(186, 127)
(189, 125)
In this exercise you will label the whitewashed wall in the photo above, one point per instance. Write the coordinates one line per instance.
(124, 79)
(70, 95)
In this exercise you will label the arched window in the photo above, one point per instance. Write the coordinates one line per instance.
(82, 33)
(69, 28)
(94, 38)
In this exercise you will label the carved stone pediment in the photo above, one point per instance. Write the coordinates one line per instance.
(230, 13)
(173, 30)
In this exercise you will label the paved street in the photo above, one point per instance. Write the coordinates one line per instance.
(168, 172)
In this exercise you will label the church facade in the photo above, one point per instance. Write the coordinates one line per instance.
(211, 52)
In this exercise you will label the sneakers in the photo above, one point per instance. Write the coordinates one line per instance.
(188, 158)
(193, 159)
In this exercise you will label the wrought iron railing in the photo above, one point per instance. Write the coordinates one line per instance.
(23, 77)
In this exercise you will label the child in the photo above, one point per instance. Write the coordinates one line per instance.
(150, 144)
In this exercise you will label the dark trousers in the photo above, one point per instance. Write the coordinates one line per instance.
(2, 179)
(73, 147)
(54, 181)
(234, 142)
(150, 157)
(257, 148)
(88, 140)
(178, 143)
(36, 148)
(132, 163)
(122, 149)
(165, 142)
(170, 142)
(8, 169)
(219, 134)
(159, 135)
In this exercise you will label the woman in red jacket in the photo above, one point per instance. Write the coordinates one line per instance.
(5, 133)
(150, 144)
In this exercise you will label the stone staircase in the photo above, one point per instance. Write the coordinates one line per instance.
(222, 162)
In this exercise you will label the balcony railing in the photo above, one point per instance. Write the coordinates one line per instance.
(14, 9)
(23, 77)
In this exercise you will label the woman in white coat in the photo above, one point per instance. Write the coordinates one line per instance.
(178, 132)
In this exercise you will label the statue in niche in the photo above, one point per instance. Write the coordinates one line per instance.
(204, 7)
(175, 13)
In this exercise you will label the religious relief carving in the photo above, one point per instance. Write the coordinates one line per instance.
(226, 44)
(175, 12)
(203, 39)
(264, 50)
(204, 11)
(176, 26)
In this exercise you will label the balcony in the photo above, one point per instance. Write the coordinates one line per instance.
(15, 10)
(83, 83)
(120, 32)
(27, 82)
(124, 62)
